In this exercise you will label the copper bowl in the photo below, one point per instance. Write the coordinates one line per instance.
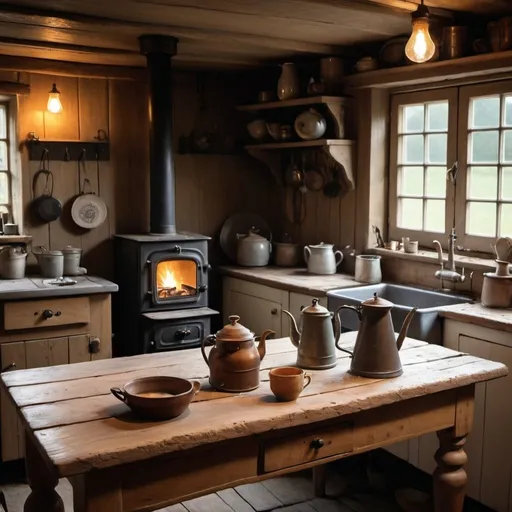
(157, 398)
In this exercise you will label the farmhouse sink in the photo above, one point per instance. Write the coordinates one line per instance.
(426, 324)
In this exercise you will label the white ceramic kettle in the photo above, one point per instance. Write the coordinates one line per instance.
(321, 258)
(253, 250)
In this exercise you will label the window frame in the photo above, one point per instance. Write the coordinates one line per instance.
(6, 104)
(398, 100)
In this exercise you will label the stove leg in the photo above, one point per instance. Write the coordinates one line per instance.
(42, 482)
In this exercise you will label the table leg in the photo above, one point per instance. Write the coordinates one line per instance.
(450, 478)
(42, 482)
(319, 480)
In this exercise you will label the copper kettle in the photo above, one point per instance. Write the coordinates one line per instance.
(234, 359)
(376, 350)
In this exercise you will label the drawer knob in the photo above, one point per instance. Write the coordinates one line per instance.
(47, 313)
(181, 334)
(273, 311)
(317, 443)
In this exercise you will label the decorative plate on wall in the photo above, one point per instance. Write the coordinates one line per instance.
(89, 211)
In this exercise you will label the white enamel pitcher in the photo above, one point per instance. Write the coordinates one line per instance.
(321, 258)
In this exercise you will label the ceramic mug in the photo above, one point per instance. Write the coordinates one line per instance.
(287, 382)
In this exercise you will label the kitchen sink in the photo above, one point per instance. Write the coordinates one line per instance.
(426, 324)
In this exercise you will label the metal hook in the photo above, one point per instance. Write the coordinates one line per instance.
(102, 135)
(67, 156)
(83, 154)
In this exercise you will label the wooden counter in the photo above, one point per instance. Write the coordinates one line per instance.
(498, 319)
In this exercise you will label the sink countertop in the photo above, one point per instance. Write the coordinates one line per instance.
(291, 279)
(499, 319)
(35, 287)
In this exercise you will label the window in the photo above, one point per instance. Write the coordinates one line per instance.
(430, 131)
(5, 167)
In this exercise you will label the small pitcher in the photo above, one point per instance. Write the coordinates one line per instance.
(321, 258)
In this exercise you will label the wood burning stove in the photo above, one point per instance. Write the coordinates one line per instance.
(162, 302)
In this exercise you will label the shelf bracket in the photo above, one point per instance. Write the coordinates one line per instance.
(344, 157)
(337, 110)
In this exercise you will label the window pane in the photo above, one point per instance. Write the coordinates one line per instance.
(411, 183)
(506, 183)
(411, 213)
(506, 156)
(413, 118)
(436, 182)
(437, 117)
(506, 220)
(3, 157)
(437, 147)
(485, 112)
(483, 183)
(507, 106)
(481, 219)
(4, 188)
(412, 149)
(3, 122)
(484, 147)
(434, 215)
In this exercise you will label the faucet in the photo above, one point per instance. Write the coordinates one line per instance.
(450, 273)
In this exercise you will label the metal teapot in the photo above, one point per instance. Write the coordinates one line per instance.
(234, 360)
(376, 350)
(316, 343)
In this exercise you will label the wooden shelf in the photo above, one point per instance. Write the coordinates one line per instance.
(477, 66)
(302, 144)
(15, 239)
(299, 102)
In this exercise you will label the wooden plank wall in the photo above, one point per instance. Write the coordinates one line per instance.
(208, 187)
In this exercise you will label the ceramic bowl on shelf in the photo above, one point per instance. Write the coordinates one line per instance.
(310, 125)
(366, 64)
(258, 129)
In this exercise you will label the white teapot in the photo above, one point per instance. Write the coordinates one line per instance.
(321, 258)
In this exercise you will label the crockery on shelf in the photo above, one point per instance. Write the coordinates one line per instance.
(286, 132)
(310, 125)
(274, 129)
(331, 74)
(366, 64)
(258, 129)
(288, 86)
(266, 96)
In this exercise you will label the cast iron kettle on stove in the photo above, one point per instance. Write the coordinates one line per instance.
(234, 360)
(316, 342)
(376, 350)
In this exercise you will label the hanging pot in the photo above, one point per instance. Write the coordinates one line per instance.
(45, 207)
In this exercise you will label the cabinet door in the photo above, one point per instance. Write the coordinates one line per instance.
(255, 313)
(298, 301)
(11, 427)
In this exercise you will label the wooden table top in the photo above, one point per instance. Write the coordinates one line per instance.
(81, 426)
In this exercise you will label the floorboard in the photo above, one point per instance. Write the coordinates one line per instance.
(208, 503)
(234, 500)
(258, 496)
(290, 489)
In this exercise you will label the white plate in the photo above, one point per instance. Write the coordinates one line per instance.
(89, 211)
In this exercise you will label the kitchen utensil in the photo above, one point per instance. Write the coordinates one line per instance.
(294, 176)
(157, 398)
(313, 180)
(234, 360)
(253, 250)
(496, 291)
(274, 129)
(13, 261)
(258, 129)
(266, 96)
(286, 133)
(376, 350)
(368, 269)
(454, 42)
(60, 281)
(331, 74)
(321, 258)
(332, 187)
(287, 254)
(366, 64)
(51, 263)
(72, 257)
(315, 88)
(240, 223)
(411, 247)
(316, 343)
(392, 245)
(288, 382)
(392, 52)
(378, 236)
(502, 268)
(310, 125)
(45, 207)
(288, 86)
(503, 248)
(10, 229)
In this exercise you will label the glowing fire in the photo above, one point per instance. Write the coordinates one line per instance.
(176, 278)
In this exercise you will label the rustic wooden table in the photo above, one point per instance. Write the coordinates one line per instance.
(75, 428)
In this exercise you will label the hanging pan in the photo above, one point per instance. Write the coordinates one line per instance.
(88, 210)
(45, 207)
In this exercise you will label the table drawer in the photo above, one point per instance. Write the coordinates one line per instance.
(31, 314)
(307, 446)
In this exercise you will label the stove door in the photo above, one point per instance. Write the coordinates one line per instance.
(178, 335)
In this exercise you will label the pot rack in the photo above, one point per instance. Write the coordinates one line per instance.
(339, 150)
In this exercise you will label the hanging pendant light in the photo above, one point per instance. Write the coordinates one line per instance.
(54, 103)
(420, 47)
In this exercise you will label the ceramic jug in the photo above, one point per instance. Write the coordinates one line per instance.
(253, 250)
(321, 259)
(376, 350)
(316, 343)
(331, 74)
(288, 86)
(234, 360)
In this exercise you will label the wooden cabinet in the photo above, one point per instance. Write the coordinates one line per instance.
(82, 332)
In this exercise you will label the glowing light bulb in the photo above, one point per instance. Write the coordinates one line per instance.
(54, 104)
(420, 47)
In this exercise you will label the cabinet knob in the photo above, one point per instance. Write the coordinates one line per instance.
(273, 311)
(181, 334)
(47, 313)
(94, 345)
(317, 443)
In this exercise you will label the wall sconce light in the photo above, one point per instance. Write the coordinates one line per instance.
(420, 46)
(54, 103)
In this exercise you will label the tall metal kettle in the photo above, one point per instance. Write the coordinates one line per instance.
(376, 350)
(234, 360)
(316, 343)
